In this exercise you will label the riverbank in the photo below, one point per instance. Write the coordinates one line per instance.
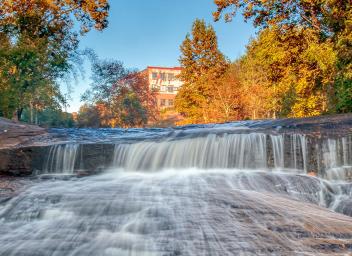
(13, 134)
(264, 187)
(24, 149)
(16, 134)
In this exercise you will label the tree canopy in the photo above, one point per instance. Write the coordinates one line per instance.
(318, 37)
(120, 97)
(38, 46)
(201, 61)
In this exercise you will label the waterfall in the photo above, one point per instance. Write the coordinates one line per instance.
(207, 192)
(330, 158)
(299, 152)
(61, 159)
(243, 151)
(278, 151)
(336, 158)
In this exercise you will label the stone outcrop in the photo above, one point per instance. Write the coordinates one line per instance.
(148, 208)
(24, 148)
(13, 134)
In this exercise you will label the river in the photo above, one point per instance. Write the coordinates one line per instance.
(197, 191)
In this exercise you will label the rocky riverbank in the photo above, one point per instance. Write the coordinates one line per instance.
(14, 134)
(227, 189)
(24, 148)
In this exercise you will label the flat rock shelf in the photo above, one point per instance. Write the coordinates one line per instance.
(267, 187)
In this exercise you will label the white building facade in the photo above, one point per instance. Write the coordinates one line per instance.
(165, 81)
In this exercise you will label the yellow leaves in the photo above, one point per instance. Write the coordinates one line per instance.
(89, 12)
(13, 70)
(308, 106)
(296, 66)
(323, 54)
(202, 64)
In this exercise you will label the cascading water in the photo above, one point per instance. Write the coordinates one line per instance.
(215, 194)
(299, 151)
(61, 159)
(255, 151)
(278, 151)
(336, 158)
(241, 151)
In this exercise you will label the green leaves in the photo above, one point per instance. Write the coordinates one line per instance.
(38, 46)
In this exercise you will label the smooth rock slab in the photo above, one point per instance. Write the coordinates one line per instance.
(188, 212)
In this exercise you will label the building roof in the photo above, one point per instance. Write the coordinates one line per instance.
(166, 68)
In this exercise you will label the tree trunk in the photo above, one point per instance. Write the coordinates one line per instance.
(36, 117)
(31, 112)
(19, 114)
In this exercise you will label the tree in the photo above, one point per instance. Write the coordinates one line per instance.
(294, 68)
(227, 97)
(201, 63)
(28, 76)
(88, 116)
(258, 96)
(138, 85)
(321, 69)
(133, 114)
(55, 14)
(324, 16)
(39, 45)
(49, 117)
(123, 97)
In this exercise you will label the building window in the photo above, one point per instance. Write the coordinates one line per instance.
(162, 102)
(171, 77)
(154, 75)
(156, 87)
(171, 103)
(170, 89)
(163, 76)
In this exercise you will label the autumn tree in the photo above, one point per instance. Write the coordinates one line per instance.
(227, 103)
(88, 117)
(39, 45)
(297, 68)
(201, 62)
(122, 96)
(317, 36)
(324, 16)
(105, 75)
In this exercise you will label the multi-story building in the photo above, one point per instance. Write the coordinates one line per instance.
(165, 81)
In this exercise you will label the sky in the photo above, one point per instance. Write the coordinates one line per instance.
(145, 33)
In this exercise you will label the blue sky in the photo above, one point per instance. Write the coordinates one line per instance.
(149, 32)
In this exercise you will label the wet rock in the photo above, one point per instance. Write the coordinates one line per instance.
(11, 187)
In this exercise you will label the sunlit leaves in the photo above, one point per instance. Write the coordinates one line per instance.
(305, 46)
(39, 45)
(202, 63)
(119, 96)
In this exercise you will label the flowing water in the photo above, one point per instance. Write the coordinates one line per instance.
(61, 159)
(211, 193)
